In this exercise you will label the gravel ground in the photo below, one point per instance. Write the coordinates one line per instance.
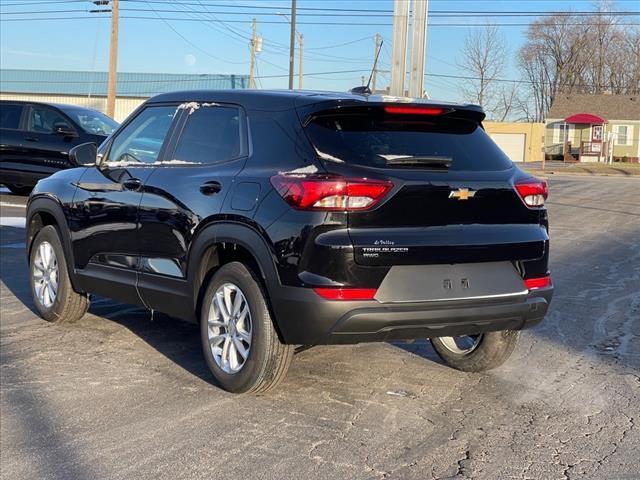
(120, 396)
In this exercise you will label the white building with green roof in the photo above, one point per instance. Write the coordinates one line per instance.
(89, 89)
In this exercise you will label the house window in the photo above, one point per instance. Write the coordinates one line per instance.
(624, 135)
(562, 133)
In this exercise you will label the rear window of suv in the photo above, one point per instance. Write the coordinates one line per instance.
(10, 115)
(374, 138)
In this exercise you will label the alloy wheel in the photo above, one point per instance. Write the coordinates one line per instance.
(462, 345)
(45, 274)
(229, 328)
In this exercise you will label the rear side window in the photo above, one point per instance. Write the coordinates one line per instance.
(10, 115)
(45, 120)
(211, 135)
(376, 139)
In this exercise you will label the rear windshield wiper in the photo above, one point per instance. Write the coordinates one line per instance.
(428, 162)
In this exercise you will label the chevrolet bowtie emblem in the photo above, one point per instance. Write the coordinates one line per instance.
(462, 194)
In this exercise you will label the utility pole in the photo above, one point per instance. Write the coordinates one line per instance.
(418, 47)
(399, 52)
(375, 66)
(300, 67)
(113, 59)
(252, 60)
(292, 42)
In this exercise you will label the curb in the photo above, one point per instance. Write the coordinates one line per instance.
(585, 174)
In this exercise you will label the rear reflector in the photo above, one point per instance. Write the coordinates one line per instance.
(411, 110)
(535, 283)
(533, 192)
(330, 192)
(346, 293)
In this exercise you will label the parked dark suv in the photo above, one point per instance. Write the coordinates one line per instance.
(35, 139)
(277, 219)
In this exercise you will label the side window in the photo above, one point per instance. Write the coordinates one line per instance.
(10, 115)
(44, 120)
(141, 140)
(211, 135)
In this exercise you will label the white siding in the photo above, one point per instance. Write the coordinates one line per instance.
(124, 105)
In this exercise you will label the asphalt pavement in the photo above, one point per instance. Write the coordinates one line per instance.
(121, 396)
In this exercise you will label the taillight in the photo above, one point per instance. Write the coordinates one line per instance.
(330, 193)
(346, 293)
(533, 192)
(536, 283)
(413, 110)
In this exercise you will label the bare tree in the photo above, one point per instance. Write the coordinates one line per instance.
(507, 100)
(604, 35)
(625, 75)
(484, 59)
(554, 59)
(565, 53)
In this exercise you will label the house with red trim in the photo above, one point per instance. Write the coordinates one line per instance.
(593, 128)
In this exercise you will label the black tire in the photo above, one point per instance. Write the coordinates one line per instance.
(268, 359)
(491, 351)
(68, 305)
(21, 190)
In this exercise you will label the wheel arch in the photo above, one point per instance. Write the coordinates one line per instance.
(44, 211)
(226, 241)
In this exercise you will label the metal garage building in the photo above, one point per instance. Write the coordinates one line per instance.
(89, 89)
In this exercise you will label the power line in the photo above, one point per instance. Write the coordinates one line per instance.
(195, 45)
(346, 24)
(257, 7)
(335, 72)
(326, 47)
(432, 14)
(360, 10)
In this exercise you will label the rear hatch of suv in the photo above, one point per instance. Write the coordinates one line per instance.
(454, 197)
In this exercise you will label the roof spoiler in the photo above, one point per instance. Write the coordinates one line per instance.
(412, 109)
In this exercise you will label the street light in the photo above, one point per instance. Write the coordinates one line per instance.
(292, 48)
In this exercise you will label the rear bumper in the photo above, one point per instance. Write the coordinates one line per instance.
(306, 319)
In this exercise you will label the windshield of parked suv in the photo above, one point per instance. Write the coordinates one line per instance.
(376, 139)
(92, 122)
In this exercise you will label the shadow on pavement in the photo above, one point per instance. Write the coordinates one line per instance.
(572, 272)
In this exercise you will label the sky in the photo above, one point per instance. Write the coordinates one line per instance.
(165, 42)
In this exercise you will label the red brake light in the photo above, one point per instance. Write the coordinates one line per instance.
(346, 293)
(413, 110)
(533, 192)
(330, 193)
(535, 283)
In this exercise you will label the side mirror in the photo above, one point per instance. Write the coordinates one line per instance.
(62, 128)
(84, 154)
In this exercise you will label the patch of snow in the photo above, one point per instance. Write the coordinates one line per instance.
(303, 170)
(150, 164)
(16, 222)
(127, 164)
(193, 106)
(176, 162)
(326, 156)
(391, 98)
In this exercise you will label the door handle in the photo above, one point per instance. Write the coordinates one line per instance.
(210, 188)
(132, 184)
(31, 139)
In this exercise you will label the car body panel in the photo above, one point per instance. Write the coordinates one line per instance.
(149, 247)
